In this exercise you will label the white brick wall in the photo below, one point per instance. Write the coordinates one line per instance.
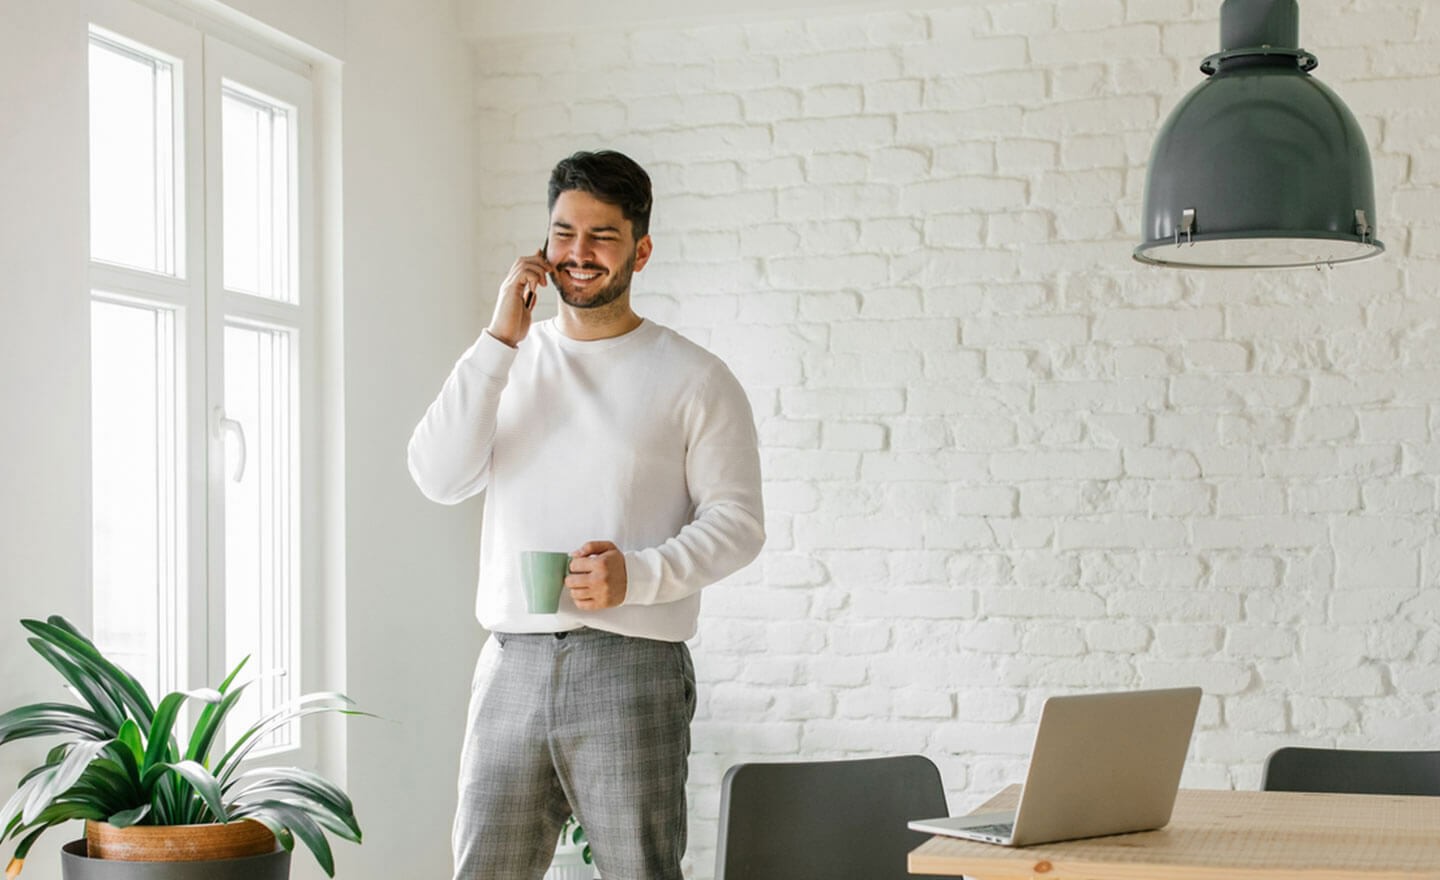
(1002, 460)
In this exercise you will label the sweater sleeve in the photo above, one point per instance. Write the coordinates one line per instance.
(449, 452)
(722, 471)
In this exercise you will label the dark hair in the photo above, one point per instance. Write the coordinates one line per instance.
(611, 177)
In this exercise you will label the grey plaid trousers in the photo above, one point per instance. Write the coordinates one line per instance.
(593, 723)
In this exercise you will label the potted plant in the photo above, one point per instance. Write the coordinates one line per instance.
(573, 860)
(150, 795)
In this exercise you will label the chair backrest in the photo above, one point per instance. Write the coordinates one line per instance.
(825, 819)
(1352, 771)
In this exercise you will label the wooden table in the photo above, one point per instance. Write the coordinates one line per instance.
(1223, 835)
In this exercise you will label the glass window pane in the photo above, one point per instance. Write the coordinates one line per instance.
(138, 545)
(133, 173)
(256, 167)
(261, 549)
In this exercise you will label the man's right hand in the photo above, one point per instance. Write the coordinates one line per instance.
(518, 294)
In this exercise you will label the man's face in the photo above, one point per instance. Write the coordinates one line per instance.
(593, 249)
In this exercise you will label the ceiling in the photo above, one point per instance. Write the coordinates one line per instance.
(488, 19)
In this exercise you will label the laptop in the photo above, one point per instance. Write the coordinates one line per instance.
(1102, 764)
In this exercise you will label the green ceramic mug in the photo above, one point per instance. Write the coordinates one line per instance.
(544, 574)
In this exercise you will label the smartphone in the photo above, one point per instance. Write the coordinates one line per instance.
(530, 292)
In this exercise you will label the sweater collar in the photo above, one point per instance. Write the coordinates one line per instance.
(590, 346)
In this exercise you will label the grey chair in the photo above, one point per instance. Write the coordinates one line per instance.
(1352, 771)
(837, 820)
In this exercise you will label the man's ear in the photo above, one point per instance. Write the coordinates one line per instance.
(643, 247)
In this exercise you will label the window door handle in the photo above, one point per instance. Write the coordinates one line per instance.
(232, 428)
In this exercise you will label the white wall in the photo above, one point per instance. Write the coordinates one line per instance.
(404, 584)
(44, 356)
(1001, 459)
(412, 305)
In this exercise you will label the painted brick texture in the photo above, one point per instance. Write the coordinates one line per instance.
(1002, 460)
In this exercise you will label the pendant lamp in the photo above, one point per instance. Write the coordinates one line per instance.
(1261, 165)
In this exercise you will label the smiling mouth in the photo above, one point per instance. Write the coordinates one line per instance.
(580, 276)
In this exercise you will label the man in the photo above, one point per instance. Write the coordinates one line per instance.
(618, 440)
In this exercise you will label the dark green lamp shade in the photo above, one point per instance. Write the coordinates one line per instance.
(1260, 166)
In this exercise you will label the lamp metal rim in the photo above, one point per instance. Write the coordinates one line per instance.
(1304, 61)
(1143, 252)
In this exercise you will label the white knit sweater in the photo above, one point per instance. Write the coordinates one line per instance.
(645, 440)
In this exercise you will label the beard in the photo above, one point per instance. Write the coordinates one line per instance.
(602, 297)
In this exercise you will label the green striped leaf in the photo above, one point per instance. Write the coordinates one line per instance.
(161, 746)
(60, 633)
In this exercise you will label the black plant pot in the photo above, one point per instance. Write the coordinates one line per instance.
(75, 865)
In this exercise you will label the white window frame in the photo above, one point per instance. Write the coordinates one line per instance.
(210, 53)
(227, 63)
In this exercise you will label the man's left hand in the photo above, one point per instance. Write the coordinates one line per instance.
(597, 576)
